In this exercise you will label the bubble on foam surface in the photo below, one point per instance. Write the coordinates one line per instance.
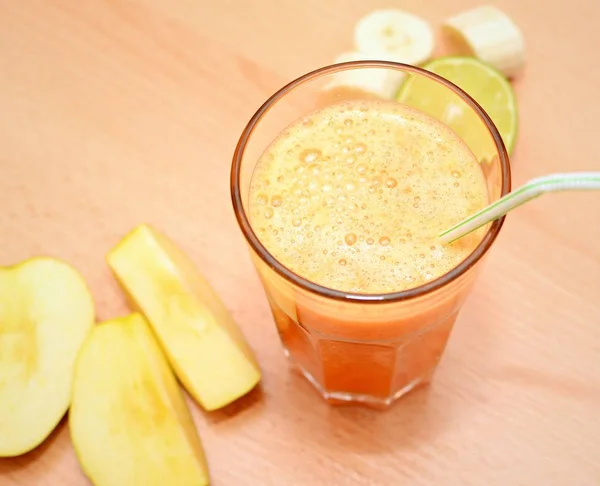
(350, 239)
(384, 241)
(370, 185)
(310, 155)
(390, 182)
(360, 148)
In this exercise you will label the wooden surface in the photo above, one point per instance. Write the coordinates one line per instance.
(118, 112)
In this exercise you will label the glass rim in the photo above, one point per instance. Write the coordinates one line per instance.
(312, 287)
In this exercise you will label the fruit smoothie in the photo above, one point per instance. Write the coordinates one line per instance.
(352, 197)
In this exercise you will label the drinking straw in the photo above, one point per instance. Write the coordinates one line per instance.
(571, 181)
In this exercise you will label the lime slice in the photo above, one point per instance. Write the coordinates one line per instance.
(485, 85)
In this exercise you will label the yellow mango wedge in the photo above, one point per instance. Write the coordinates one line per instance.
(129, 421)
(203, 343)
(46, 311)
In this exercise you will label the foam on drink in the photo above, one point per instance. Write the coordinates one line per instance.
(353, 196)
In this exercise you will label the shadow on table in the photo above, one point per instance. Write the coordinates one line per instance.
(418, 418)
(11, 464)
(241, 405)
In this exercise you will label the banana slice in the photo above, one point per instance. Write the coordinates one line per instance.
(489, 34)
(376, 82)
(398, 35)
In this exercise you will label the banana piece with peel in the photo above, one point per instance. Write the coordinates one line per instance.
(488, 34)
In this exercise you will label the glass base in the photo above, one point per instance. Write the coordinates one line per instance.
(344, 398)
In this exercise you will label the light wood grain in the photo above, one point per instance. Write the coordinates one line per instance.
(118, 112)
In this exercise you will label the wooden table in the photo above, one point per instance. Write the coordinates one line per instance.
(118, 112)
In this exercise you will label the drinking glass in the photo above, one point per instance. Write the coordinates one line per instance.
(364, 348)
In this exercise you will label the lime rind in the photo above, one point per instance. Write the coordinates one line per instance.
(477, 79)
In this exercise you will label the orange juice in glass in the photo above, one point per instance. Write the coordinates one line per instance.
(341, 202)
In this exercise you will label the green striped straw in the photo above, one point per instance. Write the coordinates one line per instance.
(572, 181)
